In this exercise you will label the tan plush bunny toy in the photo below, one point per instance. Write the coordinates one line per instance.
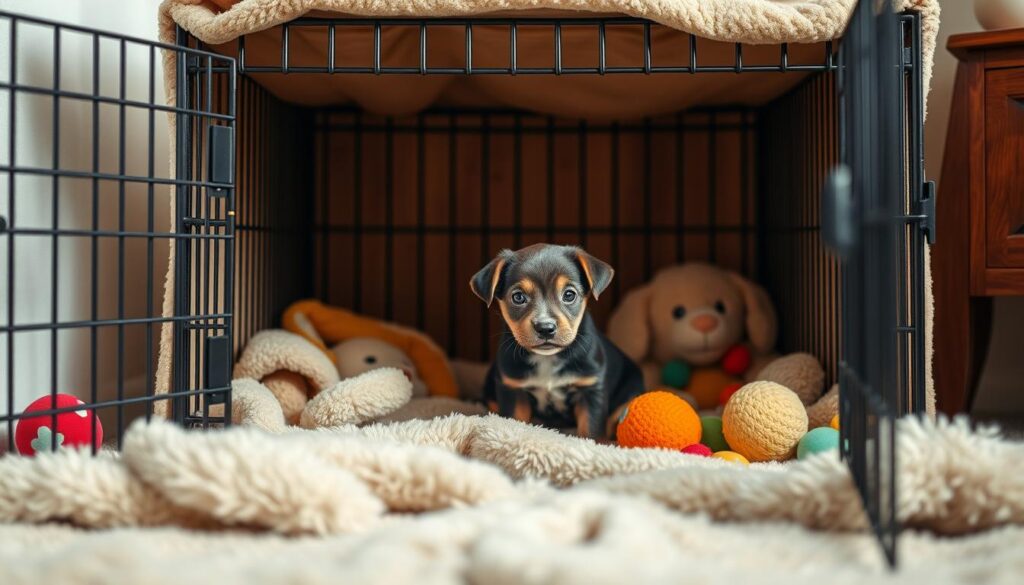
(697, 328)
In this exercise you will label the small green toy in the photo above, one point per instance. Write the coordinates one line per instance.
(676, 374)
(711, 433)
(817, 440)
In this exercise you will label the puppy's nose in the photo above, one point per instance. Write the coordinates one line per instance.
(704, 323)
(545, 328)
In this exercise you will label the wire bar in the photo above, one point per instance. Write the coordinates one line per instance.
(352, 28)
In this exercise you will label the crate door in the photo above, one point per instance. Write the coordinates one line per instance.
(862, 221)
(84, 235)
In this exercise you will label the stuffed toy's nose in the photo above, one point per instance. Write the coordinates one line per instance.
(704, 323)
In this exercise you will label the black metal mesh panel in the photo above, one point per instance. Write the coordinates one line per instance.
(273, 242)
(204, 259)
(83, 223)
(880, 236)
(798, 136)
(409, 209)
(266, 262)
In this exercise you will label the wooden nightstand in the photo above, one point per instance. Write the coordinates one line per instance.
(979, 252)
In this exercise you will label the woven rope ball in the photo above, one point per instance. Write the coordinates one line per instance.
(659, 419)
(764, 421)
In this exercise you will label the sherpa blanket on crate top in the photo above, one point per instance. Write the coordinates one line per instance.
(491, 500)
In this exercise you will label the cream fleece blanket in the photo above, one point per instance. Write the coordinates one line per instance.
(588, 539)
(486, 499)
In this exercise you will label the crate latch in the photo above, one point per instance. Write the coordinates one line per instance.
(221, 159)
(928, 211)
(218, 367)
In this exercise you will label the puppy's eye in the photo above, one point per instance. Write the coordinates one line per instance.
(518, 298)
(679, 312)
(569, 296)
(370, 359)
(720, 307)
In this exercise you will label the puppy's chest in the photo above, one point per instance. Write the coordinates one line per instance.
(552, 384)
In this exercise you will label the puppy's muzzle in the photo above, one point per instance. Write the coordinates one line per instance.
(545, 328)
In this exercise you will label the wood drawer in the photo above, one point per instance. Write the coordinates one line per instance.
(1004, 168)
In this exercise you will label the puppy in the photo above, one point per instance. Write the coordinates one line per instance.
(553, 365)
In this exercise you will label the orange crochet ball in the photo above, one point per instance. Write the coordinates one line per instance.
(659, 419)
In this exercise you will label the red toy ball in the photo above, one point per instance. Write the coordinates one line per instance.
(727, 392)
(697, 449)
(74, 429)
(736, 361)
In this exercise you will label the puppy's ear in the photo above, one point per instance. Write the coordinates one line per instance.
(485, 282)
(762, 324)
(598, 274)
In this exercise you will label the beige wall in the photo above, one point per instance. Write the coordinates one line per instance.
(1001, 390)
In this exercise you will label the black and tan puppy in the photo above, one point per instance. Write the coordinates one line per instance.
(553, 365)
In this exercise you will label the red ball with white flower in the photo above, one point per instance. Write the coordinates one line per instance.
(74, 428)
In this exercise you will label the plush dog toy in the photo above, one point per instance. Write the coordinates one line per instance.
(301, 386)
(362, 354)
(324, 346)
(712, 328)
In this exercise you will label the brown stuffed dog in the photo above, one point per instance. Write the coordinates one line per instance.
(695, 313)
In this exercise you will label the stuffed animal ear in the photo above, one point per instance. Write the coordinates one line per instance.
(598, 273)
(762, 323)
(485, 282)
(629, 326)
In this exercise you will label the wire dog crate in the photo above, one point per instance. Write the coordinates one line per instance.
(281, 193)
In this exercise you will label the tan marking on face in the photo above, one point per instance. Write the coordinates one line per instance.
(561, 319)
(527, 286)
(582, 420)
(520, 329)
(579, 316)
(561, 281)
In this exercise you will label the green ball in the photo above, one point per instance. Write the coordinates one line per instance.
(676, 374)
(817, 440)
(711, 434)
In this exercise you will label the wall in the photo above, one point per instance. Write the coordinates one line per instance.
(34, 196)
(1000, 389)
